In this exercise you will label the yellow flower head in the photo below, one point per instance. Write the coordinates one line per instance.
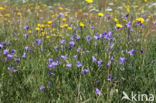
(89, 1)
(119, 26)
(100, 14)
(141, 20)
(81, 24)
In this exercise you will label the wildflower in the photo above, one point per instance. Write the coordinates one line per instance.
(129, 24)
(25, 35)
(78, 37)
(85, 71)
(15, 69)
(154, 22)
(94, 59)
(119, 26)
(122, 60)
(75, 56)
(9, 67)
(42, 88)
(63, 41)
(100, 14)
(89, 1)
(17, 59)
(131, 52)
(26, 47)
(69, 28)
(50, 60)
(63, 57)
(81, 24)
(100, 63)
(24, 55)
(13, 51)
(98, 91)
(69, 65)
(78, 64)
(88, 38)
(91, 27)
(126, 16)
(47, 36)
(5, 52)
(26, 27)
(109, 78)
(72, 43)
(96, 36)
(10, 56)
(38, 41)
(140, 20)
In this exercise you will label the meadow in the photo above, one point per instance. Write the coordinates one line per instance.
(77, 51)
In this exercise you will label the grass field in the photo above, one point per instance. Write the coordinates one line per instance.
(77, 51)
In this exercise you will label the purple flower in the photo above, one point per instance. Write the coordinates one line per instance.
(88, 38)
(98, 91)
(154, 22)
(42, 88)
(78, 64)
(72, 43)
(129, 24)
(38, 41)
(112, 58)
(26, 27)
(25, 35)
(131, 52)
(24, 55)
(85, 71)
(91, 27)
(63, 57)
(99, 62)
(79, 49)
(1, 45)
(126, 16)
(96, 36)
(26, 47)
(9, 67)
(63, 41)
(17, 59)
(109, 78)
(10, 56)
(13, 51)
(68, 65)
(75, 56)
(50, 60)
(94, 59)
(122, 60)
(78, 37)
(6, 51)
(15, 69)
(54, 64)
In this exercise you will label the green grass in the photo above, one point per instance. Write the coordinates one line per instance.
(70, 85)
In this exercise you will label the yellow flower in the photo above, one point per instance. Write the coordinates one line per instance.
(100, 14)
(81, 24)
(89, 1)
(19, 14)
(141, 20)
(146, 0)
(50, 22)
(116, 20)
(119, 26)
(69, 28)
(37, 28)
(64, 19)
(65, 25)
(47, 36)
(60, 8)
(29, 31)
(1, 8)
